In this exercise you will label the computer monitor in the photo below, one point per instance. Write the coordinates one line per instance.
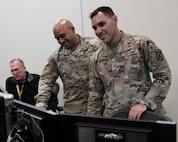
(33, 124)
(43, 126)
(6, 101)
(101, 129)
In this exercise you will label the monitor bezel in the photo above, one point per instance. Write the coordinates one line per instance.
(163, 130)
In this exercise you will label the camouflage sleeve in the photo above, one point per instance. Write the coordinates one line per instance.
(96, 92)
(161, 74)
(47, 80)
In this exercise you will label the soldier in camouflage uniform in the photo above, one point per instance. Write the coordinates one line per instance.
(70, 62)
(120, 71)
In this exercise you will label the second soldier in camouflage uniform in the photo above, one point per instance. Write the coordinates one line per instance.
(120, 71)
(70, 63)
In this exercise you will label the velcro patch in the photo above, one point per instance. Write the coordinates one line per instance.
(159, 55)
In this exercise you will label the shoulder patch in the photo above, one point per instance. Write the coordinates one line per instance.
(159, 55)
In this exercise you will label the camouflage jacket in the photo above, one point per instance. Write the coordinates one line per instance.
(72, 68)
(120, 76)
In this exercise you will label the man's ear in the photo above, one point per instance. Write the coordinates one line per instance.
(115, 19)
(73, 29)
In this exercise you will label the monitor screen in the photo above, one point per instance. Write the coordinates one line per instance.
(100, 129)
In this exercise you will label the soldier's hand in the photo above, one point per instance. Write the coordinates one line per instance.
(136, 111)
(41, 106)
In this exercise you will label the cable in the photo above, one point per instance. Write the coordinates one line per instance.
(41, 132)
(21, 122)
(17, 136)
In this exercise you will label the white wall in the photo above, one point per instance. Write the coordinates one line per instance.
(26, 31)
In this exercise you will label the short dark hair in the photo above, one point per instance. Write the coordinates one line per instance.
(105, 9)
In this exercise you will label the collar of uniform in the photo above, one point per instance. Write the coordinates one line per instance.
(114, 45)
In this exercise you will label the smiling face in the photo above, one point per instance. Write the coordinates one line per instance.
(105, 27)
(65, 34)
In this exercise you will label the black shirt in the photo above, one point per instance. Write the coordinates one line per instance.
(29, 90)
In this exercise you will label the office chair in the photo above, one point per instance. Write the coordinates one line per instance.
(53, 102)
(147, 115)
(54, 98)
(55, 89)
(2, 90)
